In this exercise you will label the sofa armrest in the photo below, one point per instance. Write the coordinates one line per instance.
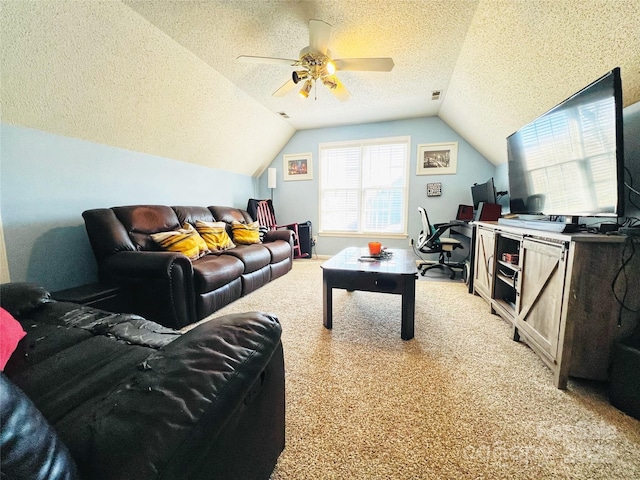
(29, 446)
(146, 265)
(21, 298)
(156, 285)
(284, 234)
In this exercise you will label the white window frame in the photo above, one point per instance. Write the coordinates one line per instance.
(361, 213)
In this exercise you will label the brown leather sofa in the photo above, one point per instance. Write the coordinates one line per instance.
(167, 287)
(89, 394)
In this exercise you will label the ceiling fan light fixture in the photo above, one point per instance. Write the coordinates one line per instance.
(299, 75)
(330, 82)
(315, 63)
(306, 88)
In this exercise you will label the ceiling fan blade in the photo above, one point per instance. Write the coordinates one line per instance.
(365, 64)
(284, 89)
(340, 92)
(271, 60)
(319, 33)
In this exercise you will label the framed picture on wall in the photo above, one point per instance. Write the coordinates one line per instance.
(437, 158)
(298, 166)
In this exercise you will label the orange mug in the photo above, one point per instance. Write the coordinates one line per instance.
(374, 248)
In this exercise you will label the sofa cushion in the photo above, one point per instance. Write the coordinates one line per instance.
(254, 257)
(185, 240)
(141, 221)
(214, 271)
(245, 234)
(279, 250)
(215, 235)
(230, 214)
(191, 215)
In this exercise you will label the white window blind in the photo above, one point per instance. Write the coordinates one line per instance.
(363, 186)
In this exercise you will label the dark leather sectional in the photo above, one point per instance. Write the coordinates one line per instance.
(167, 287)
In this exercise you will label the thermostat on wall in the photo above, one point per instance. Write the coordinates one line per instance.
(434, 189)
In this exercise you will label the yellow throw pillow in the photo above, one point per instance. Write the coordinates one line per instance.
(245, 233)
(185, 240)
(215, 235)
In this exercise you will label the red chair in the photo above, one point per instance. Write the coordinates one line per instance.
(262, 211)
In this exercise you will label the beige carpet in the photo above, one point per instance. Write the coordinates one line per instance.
(459, 401)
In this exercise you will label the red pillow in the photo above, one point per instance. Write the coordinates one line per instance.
(11, 333)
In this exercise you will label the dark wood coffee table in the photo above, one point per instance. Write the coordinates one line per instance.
(395, 274)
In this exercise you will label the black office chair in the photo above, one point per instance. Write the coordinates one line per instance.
(430, 240)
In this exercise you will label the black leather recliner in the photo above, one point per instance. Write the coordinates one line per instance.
(116, 397)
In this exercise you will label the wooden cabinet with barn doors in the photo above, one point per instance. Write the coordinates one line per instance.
(483, 260)
(557, 292)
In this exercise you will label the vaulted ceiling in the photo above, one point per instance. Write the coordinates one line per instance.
(497, 63)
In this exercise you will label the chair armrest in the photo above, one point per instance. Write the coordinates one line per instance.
(440, 229)
(444, 226)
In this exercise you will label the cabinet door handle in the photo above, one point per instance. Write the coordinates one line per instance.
(489, 261)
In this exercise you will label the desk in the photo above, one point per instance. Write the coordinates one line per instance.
(467, 232)
(462, 228)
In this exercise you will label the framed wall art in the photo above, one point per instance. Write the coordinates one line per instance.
(437, 159)
(298, 166)
(434, 189)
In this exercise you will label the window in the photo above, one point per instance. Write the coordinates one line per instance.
(363, 186)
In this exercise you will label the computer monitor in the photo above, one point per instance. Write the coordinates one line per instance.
(483, 192)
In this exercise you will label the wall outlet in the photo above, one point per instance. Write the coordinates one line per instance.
(314, 239)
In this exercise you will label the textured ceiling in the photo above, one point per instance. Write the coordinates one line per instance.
(161, 76)
(498, 63)
(424, 39)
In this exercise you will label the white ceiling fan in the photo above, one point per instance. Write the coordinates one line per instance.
(316, 64)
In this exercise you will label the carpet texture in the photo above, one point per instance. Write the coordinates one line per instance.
(459, 401)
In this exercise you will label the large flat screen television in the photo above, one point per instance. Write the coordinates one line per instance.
(568, 163)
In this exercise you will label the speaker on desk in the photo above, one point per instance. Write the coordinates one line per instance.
(488, 212)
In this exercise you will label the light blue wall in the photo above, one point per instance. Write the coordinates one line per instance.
(47, 181)
(298, 201)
